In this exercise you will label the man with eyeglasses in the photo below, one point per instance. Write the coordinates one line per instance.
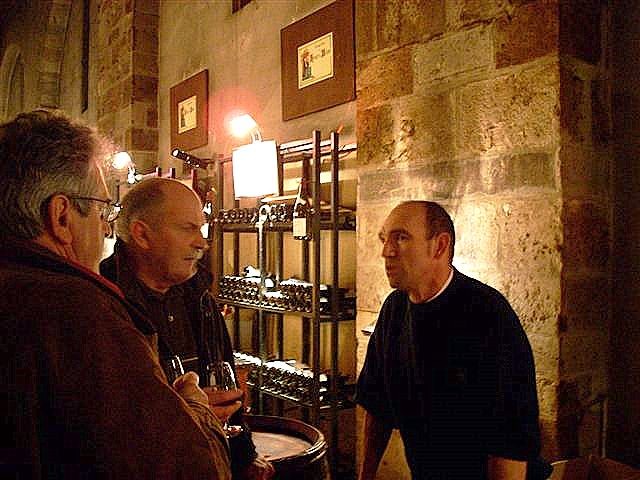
(82, 393)
(156, 263)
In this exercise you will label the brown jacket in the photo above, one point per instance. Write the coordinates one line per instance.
(81, 392)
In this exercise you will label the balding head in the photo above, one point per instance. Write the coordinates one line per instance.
(146, 201)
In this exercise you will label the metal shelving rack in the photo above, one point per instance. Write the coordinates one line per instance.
(311, 154)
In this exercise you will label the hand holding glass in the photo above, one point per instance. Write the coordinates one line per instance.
(173, 368)
(221, 378)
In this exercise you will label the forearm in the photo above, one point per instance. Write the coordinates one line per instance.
(376, 437)
(506, 469)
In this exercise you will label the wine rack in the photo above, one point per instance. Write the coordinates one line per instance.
(272, 296)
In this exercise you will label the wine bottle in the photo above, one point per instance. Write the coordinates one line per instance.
(301, 214)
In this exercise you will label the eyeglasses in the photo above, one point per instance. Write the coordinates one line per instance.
(109, 212)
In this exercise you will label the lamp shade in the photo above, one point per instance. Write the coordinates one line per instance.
(255, 169)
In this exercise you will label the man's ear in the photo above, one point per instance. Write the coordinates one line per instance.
(139, 232)
(58, 219)
(443, 242)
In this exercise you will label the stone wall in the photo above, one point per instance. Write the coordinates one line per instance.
(499, 112)
(127, 86)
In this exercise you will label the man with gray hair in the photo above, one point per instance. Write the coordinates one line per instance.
(82, 393)
(156, 264)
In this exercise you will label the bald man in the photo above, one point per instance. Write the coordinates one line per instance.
(448, 364)
(156, 264)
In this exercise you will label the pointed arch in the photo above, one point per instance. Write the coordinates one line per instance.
(51, 61)
(9, 68)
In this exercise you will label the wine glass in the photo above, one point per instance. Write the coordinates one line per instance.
(221, 377)
(173, 368)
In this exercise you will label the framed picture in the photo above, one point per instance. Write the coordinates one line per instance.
(318, 60)
(189, 112)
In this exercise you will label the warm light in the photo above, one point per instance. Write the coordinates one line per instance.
(122, 161)
(255, 169)
(244, 125)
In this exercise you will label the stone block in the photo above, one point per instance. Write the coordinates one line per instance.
(106, 124)
(145, 64)
(400, 22)
(516, 171)
(142, 139)
(535, 297)
(529, 33)
(580, 33)
(451, 55)
(422, 129)
(146, 21)
(585, 304)
(384, 77)
(467, 12)
(446, 180)
(151, 7)
(585, 172)
(583, 353)
(59, 17)
(372, 284)
(516, 110)
(587, 234)
(435, 181)
(575, 115)
(145, 40)
(476, 237)
(546, 392)
(365, 29)
(375, 134)
(144, 115)
(601, 113)
(530, 235)
(145, 88)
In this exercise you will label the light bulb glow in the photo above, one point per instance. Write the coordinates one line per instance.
(242, 125)
(121, 161)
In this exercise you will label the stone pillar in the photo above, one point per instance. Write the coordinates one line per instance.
(128, 77)
(470, 104)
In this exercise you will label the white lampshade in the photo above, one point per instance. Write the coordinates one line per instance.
(255, 169)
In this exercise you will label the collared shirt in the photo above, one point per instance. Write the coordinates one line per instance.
(169, 314)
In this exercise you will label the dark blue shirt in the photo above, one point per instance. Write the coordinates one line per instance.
(456, 376)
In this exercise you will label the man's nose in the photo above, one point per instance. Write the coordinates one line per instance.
(200, 242)
(107, 228)
(388, 249)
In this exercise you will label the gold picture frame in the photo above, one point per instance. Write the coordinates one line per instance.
(190, 112)
(318, 60)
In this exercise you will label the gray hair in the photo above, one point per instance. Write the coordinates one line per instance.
(145, 201)
(44, 153)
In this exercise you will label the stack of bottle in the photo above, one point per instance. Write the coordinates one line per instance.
(292, 295)
(279, 214)
(237, 215)
(246, 288)
(285, 378)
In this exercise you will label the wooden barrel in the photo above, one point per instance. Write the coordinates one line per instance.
(296, 449)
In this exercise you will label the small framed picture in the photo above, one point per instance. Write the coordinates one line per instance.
(189, 112)
(318, 60)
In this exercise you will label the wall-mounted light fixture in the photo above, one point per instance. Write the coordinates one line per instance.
(255, 165)
(189, 159)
